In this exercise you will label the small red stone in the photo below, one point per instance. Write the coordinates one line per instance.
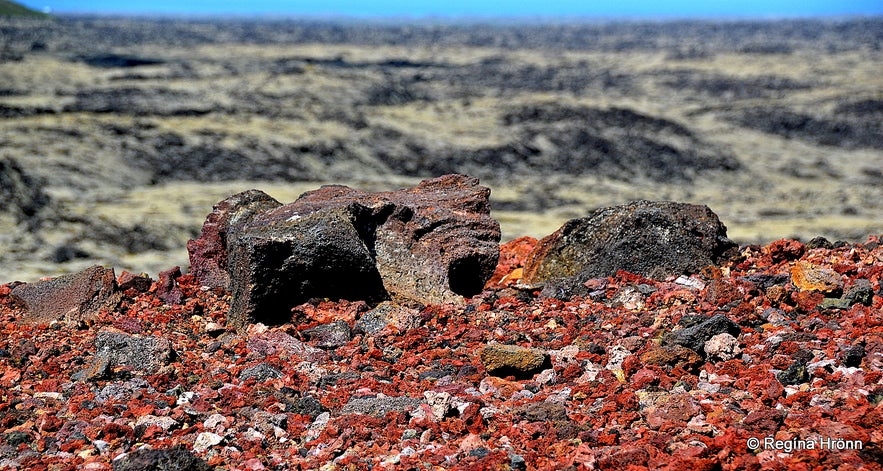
(785, 250)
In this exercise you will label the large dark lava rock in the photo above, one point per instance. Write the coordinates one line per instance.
(433, 243)
(653, 239)
(208, 253)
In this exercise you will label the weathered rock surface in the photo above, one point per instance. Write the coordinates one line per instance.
(171, 459)
(145, 354)
(168, 289)
(433, 243)
(696, 336)
(208, 253)
(331, 335)
(71, 298)
(809, 277)
(283, 345)
(672, 355)
(140, 283)
(260, 372)
(380, 405)
(723, 346)
(651, 238)
(505, 360)
(387, 313)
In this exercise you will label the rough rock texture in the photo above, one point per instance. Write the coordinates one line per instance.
(419, 396)
(278, 266)
(387, 314)
(433, 243)
(650, 238)
(260, 372)
(379, 406)
(144, 354)
(694, 337)
(140, 283)
(71, 298)
(505, 360)
(723, 346)
(809, 277)
(208, 253)
(171, 459)
(331, 335)
(168, 289)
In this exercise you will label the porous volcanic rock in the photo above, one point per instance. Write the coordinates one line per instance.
(694, 337)
(141, 353)
(172, 459)
(71, 298)
(208, 253)
(433, 243)
(505, 360)
(380, 405)
(168, 289)
(615, 392)
(809, 277)
(650, 238)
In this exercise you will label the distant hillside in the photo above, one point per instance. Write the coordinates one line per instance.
(8, 8)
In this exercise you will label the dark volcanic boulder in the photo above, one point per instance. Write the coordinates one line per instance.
(208, 253)
(74, 297)
(653, 239)
(432, 243)
(280, 265)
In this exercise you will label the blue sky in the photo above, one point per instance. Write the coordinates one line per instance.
(474, 8)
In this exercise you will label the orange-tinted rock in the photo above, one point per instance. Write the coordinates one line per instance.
(512, 256)
(74, 297)
(809, 277)
(777, 294)
(499, 387)
(673, 412)
(807, 300)
(505, 360)
(672, 355)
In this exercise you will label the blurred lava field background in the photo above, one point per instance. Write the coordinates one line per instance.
(118, 134)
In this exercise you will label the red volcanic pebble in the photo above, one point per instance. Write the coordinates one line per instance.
(512, 257)
(803, 392)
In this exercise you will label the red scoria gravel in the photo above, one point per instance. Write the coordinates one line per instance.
(798, 388)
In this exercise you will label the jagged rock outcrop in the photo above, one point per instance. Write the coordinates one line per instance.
(433, 243)
(208, 253)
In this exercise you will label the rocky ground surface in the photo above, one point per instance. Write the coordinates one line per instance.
(117, 135)
(782, 343)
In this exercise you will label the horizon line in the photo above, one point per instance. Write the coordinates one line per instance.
(445, 18)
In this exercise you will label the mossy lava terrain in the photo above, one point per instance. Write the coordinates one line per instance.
(117, 135)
